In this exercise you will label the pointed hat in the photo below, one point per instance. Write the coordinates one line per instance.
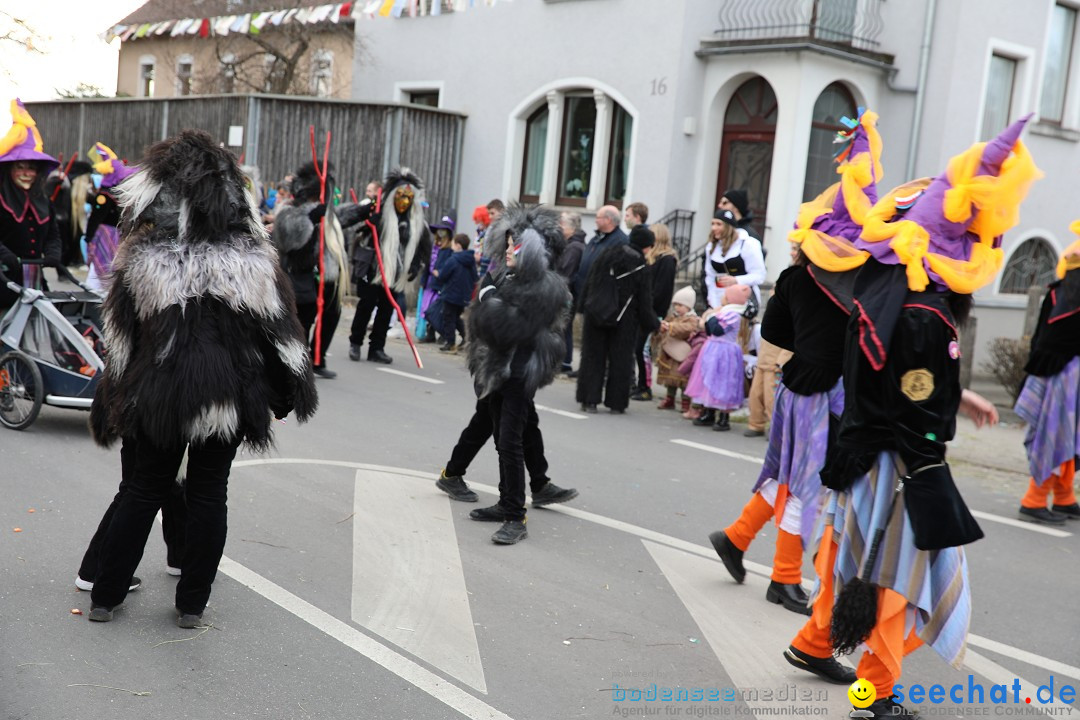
(23, 141)
(111, 168)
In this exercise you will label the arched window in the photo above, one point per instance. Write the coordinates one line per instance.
(1032, 263)
(747, 146)
(532, 173)
(833, 103)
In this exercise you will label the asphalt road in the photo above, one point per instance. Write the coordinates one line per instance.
(352, 588)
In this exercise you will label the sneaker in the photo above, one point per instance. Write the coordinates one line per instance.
(100, 613)
(551, 494)
(1072, 512)
(511, 532)
(174, 571)
(828, 668)
(189, 621)
(455, 487)
(730, 555)
(643, 394)
(354, 352)
(1042, 515)
(87, 586)
(889, 708)
(490, 514)
(324, 373)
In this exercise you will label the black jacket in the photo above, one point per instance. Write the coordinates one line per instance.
(599, 244)
(662, 274)
(570, 260)
(635, 290)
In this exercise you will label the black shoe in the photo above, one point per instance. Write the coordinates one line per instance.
(189, 621)
(618, 411)
(455, 487)
(324, 373)
(754, 433)
(511, 532)
(490, 514)
(791, 597)
(551, 494)
(825, 668)
(571, 374)
(87, 586)
(707, 418)
(588, 407)
(379, 356)
(1042, 515)
(1072, 512)
(448, 348)
(100, 613)
(354, 352)
(889, 708)
(426, 340)
(723, 422)
(566, 370)
(643, 394)
(731, 555)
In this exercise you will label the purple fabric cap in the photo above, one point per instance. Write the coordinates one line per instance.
(26, 151)
(839, 222)
(120, 173)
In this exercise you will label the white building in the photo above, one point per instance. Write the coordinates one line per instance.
(576, 103)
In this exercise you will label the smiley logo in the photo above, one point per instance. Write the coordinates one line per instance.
(862, 693)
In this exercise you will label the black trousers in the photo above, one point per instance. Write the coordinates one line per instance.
(152, 474)
(607, 351)
(307, 312)
(639, 358)
(480, 429)
(452, 321)
(173, 518)
(568, 336)
(372, 299)
(509, 407)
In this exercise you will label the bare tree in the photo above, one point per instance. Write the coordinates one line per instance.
(17, 31)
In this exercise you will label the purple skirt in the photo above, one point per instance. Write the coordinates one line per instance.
(102, 251)
(1051, 406)
(717, 380)
(798, 438)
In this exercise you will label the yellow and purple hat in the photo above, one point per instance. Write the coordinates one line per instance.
(23, 141)
(109, 166)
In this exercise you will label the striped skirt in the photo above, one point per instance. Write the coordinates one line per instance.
(798, 438)
(935, 583)
(1051, 407)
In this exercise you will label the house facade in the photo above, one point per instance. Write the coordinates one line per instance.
(578, 103)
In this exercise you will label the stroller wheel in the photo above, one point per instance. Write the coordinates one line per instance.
(21, 390)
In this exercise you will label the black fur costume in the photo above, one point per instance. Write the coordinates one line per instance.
(200, 325)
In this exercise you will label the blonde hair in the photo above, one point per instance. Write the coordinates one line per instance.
(663, 245)
(727, 238)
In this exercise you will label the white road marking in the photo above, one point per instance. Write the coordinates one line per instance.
(564, 413)
(746, 635)
(1033, 527)
(719, 451)
(411, 376)
(408, 583)
(998, 675)
(644, 533)
(409, 671)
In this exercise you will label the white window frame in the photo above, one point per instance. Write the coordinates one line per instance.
(322, 73)
(1022, 82)
(1070, 115)
(141, 89)
(402, 90)
(185, 59)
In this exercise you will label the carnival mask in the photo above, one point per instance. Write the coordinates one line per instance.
(403, 199)
(24, 174)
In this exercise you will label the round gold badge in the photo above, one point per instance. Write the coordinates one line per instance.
(917, 385)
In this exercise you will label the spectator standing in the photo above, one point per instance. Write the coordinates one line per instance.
(636, 214)
(738, 203)
(568, 265)
(663, 263)
(607, 234)
(455, 278)
(732, 257)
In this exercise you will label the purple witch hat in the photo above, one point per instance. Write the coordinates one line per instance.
(23, 141)
(109, 166)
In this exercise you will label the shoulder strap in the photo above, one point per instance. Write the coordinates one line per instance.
(628, 272)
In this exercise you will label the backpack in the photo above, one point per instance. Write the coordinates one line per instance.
(602, 303)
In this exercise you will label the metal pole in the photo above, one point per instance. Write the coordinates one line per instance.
(920, 92)
(164, 119)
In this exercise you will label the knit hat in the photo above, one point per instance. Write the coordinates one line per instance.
(23, 141)
(642, 237)
(739, 199)
(952, 234)
(685, 297)
(727, 216)
(106, 164)
(829, 225)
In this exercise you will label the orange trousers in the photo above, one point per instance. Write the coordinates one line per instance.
(882, 663)
(1060, 483)
(787, 561)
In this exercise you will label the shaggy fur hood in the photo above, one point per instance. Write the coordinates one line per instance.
(201, 333)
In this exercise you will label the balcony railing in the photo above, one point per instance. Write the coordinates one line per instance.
(854, 23)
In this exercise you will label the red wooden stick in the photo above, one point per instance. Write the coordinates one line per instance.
(386, 285)
(56, 190)
(352, 194)
(320, 299)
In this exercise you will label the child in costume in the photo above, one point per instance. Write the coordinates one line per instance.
(717, 381)
(455, 283)
(898, 568)
(674, 342)
(1050, 400)
(808, 315)
(102, 235)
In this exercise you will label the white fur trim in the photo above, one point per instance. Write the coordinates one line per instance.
(294, 354)
(183, 218)
(136, 193)
(215, 420)
(239, 273)
(117, 346)
(254, 220)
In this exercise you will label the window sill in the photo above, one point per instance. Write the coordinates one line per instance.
(1055, 131)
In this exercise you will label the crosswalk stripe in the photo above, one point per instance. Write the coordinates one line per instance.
(411, 376)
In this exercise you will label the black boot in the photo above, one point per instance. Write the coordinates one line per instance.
(889, 708)
(1042, 515)
(723, 422)
(1072, 512)
(792, 597)
(707, 418)
(379, 356)
(826, 668)
(731, 555)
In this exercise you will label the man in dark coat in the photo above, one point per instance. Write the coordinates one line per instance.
(608, 234)
(568, 265)
(607, 344)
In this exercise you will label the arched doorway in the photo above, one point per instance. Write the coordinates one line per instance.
(747, 146)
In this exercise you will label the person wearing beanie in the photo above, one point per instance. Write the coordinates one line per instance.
(732, 257)
(738, 202)
(806, 318)
(672, 345)
(1050, 400)
(893, 574)
(616, 301)
(204, 349)
(28, 229)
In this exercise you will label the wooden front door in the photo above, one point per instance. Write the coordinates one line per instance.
(747, 146)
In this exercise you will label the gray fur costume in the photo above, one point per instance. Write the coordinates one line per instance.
(516, 322)
(200, 325)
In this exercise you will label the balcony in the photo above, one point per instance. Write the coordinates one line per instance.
(849, 28)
